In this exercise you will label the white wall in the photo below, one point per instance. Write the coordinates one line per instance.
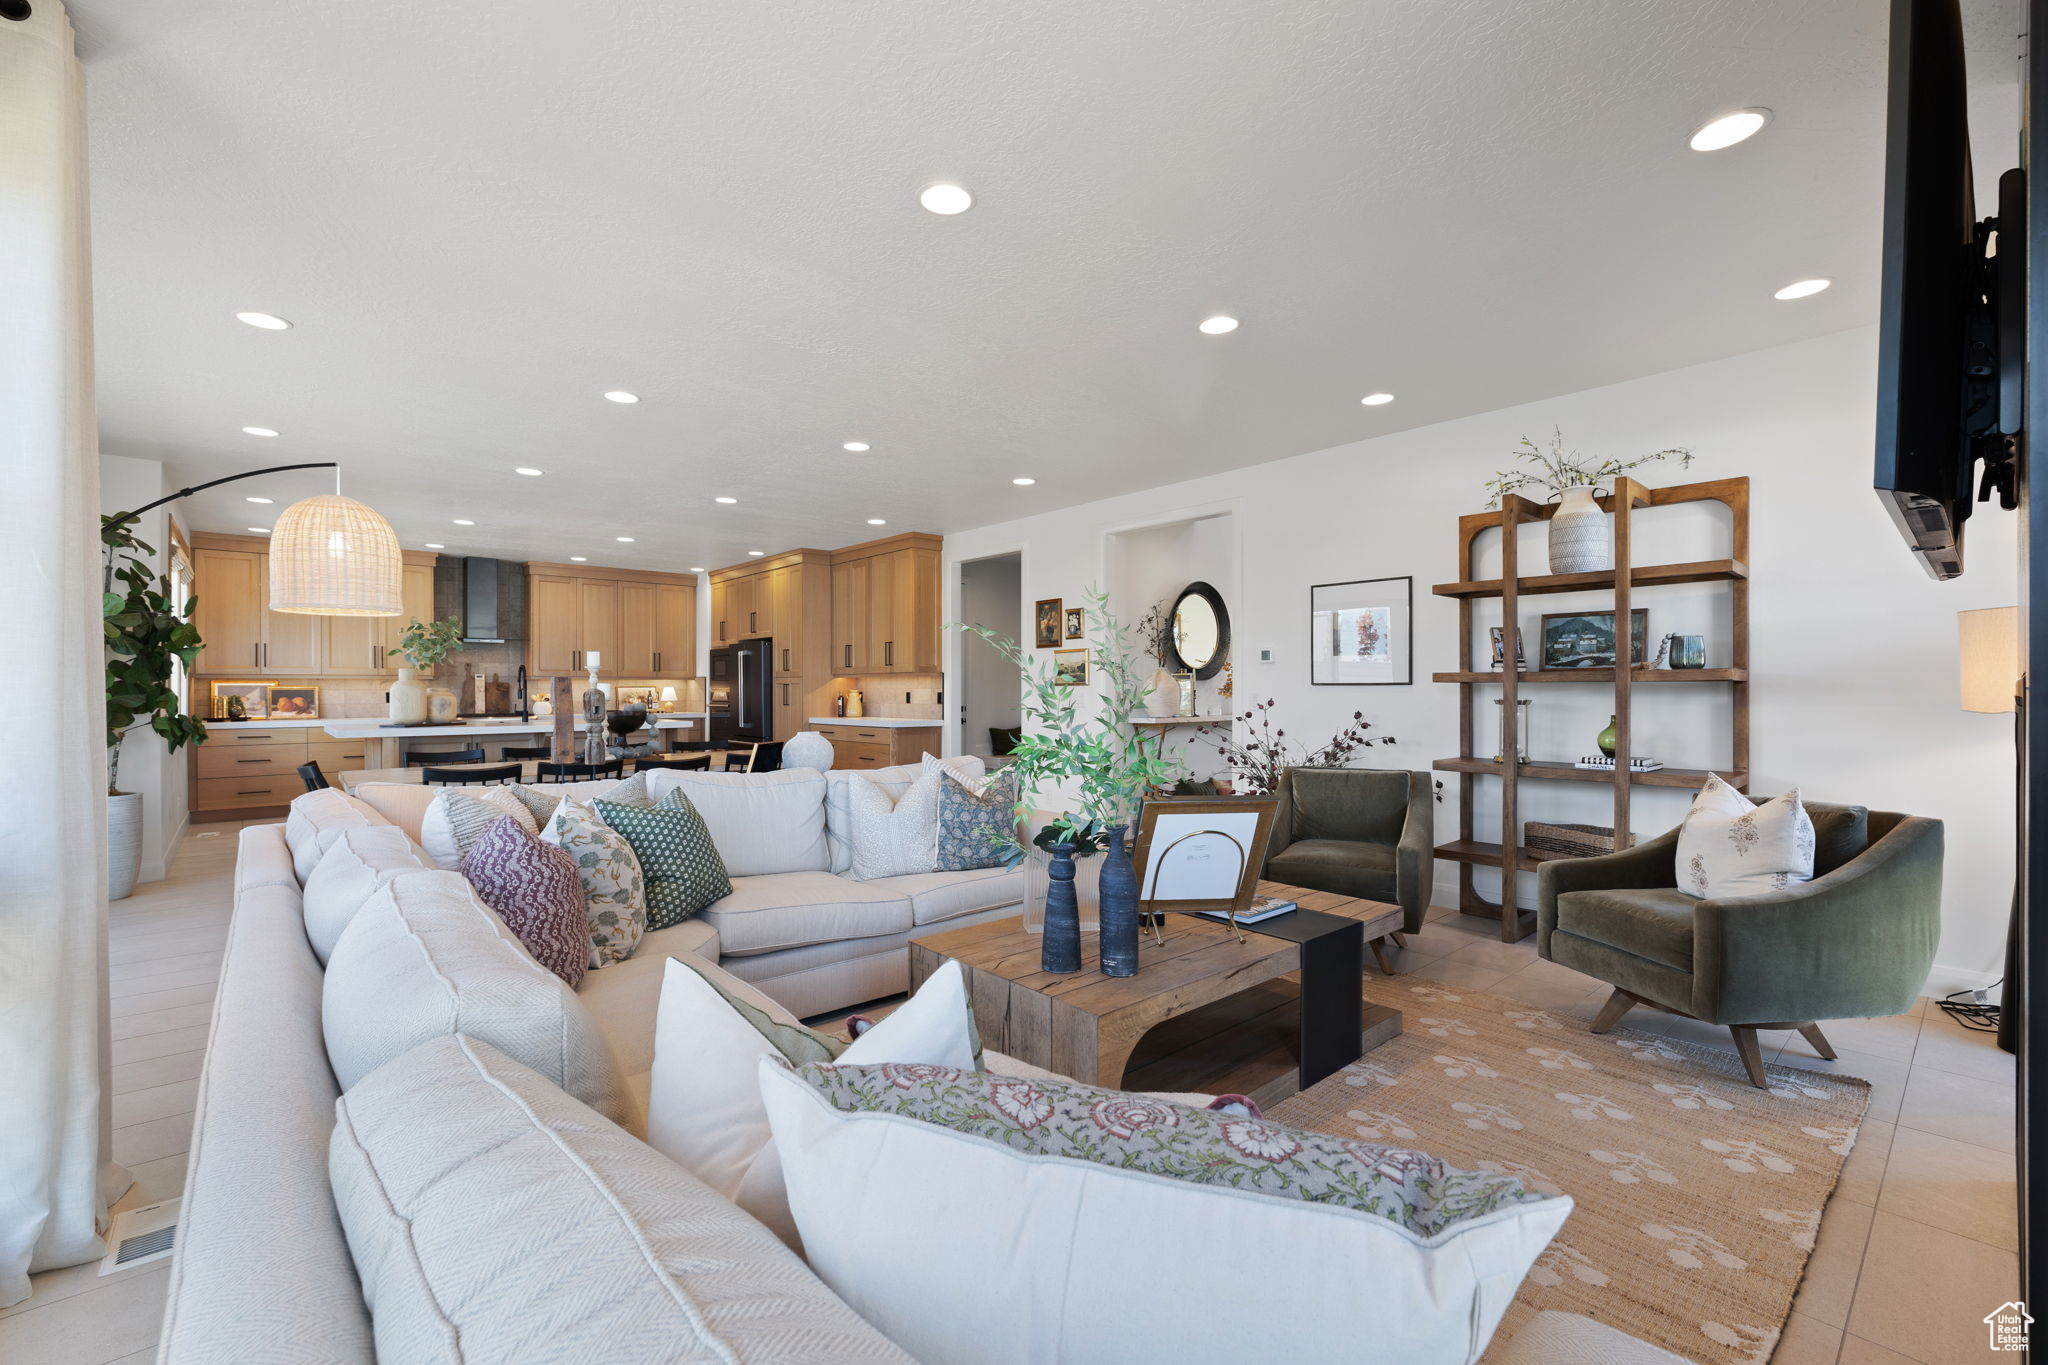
(146, 767)
(1853, 647)
(990, 595)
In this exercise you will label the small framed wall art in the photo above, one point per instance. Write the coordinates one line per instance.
(1585, 639)
(294, 702)
(240, 700)
(1077, 622)
(1070, 668)
(1046, 623)
(1500, 654)
(1362, 633)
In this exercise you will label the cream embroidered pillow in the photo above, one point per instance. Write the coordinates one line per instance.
(894, 838)
(1728, 847)
(458, 817)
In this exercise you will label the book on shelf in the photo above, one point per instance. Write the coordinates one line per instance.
(1602, 763)
(1261, 908)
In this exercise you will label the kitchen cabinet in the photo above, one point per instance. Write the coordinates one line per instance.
(675, 630)
(360, 646)
(850, 618)
(553, 624)
(231, 587)
(243, 638)
(597, 603)
(855, 745)
(885, 599)
(640, 624)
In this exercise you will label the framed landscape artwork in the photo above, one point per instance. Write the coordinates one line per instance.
(1046, 624)
(1361, 634)
(294, 703)
(1585, 639)
(1070, 668)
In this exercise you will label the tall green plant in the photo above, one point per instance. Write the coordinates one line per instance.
(1115, 765)
(147, 636)
(425, 643)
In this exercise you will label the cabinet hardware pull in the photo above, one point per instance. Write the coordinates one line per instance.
(254, 793)
(252, 760)
(849, 656)
(889, 653)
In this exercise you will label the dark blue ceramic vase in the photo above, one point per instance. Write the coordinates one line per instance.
(1119, 930)
(1062, 950)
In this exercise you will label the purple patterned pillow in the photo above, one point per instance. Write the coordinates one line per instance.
(534, 888)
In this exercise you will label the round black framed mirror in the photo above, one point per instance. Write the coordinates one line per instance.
(1198, 630)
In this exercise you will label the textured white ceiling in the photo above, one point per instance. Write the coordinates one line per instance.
(483, 215)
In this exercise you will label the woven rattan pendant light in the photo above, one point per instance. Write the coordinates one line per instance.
(333, 556)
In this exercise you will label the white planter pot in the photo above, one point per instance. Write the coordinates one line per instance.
(1164, 698)
(807, 749)
(1581, 538)
(408, 699)
(124, 844)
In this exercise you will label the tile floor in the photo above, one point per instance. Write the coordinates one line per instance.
(1915, 1247)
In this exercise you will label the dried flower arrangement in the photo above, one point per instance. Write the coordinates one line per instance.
(1559, 469)
(1260, 758)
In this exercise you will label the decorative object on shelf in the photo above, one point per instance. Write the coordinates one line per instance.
(1184, 686)
(147, 639)
(443, 706)
(1498, 635)
(1500, 745)
(294, 702)
(1164, 698)
(1077, 619)
(1049, 628)
(543, 704)
(1070, 667)
(1118, 934)
(623, 722)
(594, 708)
(642, 697)
(667, 702)
(1198, 631)
(1360, 633)
(1201, 854)
(1581, 539)
(807, 749)
(1585, 639)
(856, 704)
(1227, 689)
(1259, 759)
(405, 700)
(1604, 763)
(423, 645)
(251, 699)
(1688, 651)
(839, 705)
(1571, 841)
(1607, 738)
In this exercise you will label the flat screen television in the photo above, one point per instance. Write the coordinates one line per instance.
(1950, 358)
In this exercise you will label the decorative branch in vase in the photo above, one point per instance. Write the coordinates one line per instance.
(1266, 751)
(1581, 539)
(423, 644)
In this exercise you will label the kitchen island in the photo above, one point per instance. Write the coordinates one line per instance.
(385, 743)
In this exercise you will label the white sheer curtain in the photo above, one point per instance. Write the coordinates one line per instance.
(56, 1169)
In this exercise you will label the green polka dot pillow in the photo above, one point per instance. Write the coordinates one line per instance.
(680, 865)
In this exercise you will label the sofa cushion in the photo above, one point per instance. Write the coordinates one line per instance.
(404, 804)
(894, 837)
(424, 957)
(317, 819)
(791, 909)
(1348, 804)
(356, 864)
(622, 998)
(1653, 923)
(977, 821)
(894, 780)
(937, 896)
(607, 869)
(1058, 1176)
(763, 823)
(532, 888)
(493, 1218)
(679, 863)
(1340, 865)
(1839, 834)
(458, 817)
(1731, 846)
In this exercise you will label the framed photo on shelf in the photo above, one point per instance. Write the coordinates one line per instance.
(1202, 853)
(1499, 652)
(254, 696)
(1361, 633)
(1046, 623)
(1070, 668)
(1585, 639)
(1077, 622)
(294, 702)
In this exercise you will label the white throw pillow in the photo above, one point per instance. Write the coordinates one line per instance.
(895, 838)
(895, 781)
(316, 820)
(457, 818)
(1731, 847)
(762, 823)
(1061, 1231)
(704, 1102)
(355, 865)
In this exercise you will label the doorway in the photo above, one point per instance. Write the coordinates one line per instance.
(991, 688)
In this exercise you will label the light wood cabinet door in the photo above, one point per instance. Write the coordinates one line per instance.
(721, 612)
(747, 607)
(294, 644)
(917, 610)
(553, 621)
(850, 617)
(355, 645)
(881, 616)
(417, 594)
(231, 589)
(785, 590)
(636, 631)
(675, 631)
(789, 707)
(598, 601)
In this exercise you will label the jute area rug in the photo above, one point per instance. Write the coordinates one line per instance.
(1698, 1195)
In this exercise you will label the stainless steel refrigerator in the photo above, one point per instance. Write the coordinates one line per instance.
(740, 693)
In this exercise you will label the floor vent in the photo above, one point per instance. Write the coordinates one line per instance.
(141, 1235)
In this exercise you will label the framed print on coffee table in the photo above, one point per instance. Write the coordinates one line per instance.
(1361, 634)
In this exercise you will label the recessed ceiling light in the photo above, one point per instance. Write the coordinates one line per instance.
(757, 553)
(258, 431)
(1218, 325)
(946, 200)
(1023, 483)
(855, 446)
(261, 530)
(621, 396)
(269, 322)
(460, 522)
(727, 501)
(877, 521)
(1730, 129)
(1800, 289)
(432, 546)
(1373, 400)
(527, 471)
(623, 540)
(696, 568)
(261, 500)
(579, 559)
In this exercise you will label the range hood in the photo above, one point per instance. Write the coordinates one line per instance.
(480, 602)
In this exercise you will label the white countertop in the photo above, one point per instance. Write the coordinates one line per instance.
(260, 724)
(883, 722)
(368, 727)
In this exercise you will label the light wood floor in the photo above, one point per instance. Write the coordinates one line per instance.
(1917, 1244)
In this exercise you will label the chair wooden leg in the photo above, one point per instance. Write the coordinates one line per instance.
(1379, 952)
(1618, 1004)
(1813, 1035)
(1400, 939)
(1752, 1055)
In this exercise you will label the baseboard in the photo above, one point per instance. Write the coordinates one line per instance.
(1948, 980)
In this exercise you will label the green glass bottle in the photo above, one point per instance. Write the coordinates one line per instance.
(1607, 738)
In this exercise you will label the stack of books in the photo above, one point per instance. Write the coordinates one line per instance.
(1602, 763)
(1261, 908)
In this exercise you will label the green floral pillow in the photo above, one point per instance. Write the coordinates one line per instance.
(682, 867)
(977, 819)
(1204, 1147)
(614, 892)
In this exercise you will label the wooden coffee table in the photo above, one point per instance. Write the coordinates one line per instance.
(1085, 1025)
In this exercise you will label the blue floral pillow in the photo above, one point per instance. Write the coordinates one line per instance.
(977, 820)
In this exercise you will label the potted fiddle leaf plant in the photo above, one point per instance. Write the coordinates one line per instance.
(147, 638)
(423, 644)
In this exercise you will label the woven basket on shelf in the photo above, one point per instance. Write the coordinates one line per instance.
(1571, 841)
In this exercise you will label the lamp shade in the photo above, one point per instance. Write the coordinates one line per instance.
(668, 694)
(1990, 641)
(332, 556)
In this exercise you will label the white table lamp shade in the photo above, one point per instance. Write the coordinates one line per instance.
(668, 694)
(1990, 670)
(333, 556)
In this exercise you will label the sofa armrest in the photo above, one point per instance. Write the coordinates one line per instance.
(1283, 821)
(1415, 854)
(1650, 864)
(1854, 944)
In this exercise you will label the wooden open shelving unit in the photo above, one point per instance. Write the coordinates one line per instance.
(1622, 581)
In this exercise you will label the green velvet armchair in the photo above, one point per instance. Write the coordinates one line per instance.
(1357, 832)
(1855, 942)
